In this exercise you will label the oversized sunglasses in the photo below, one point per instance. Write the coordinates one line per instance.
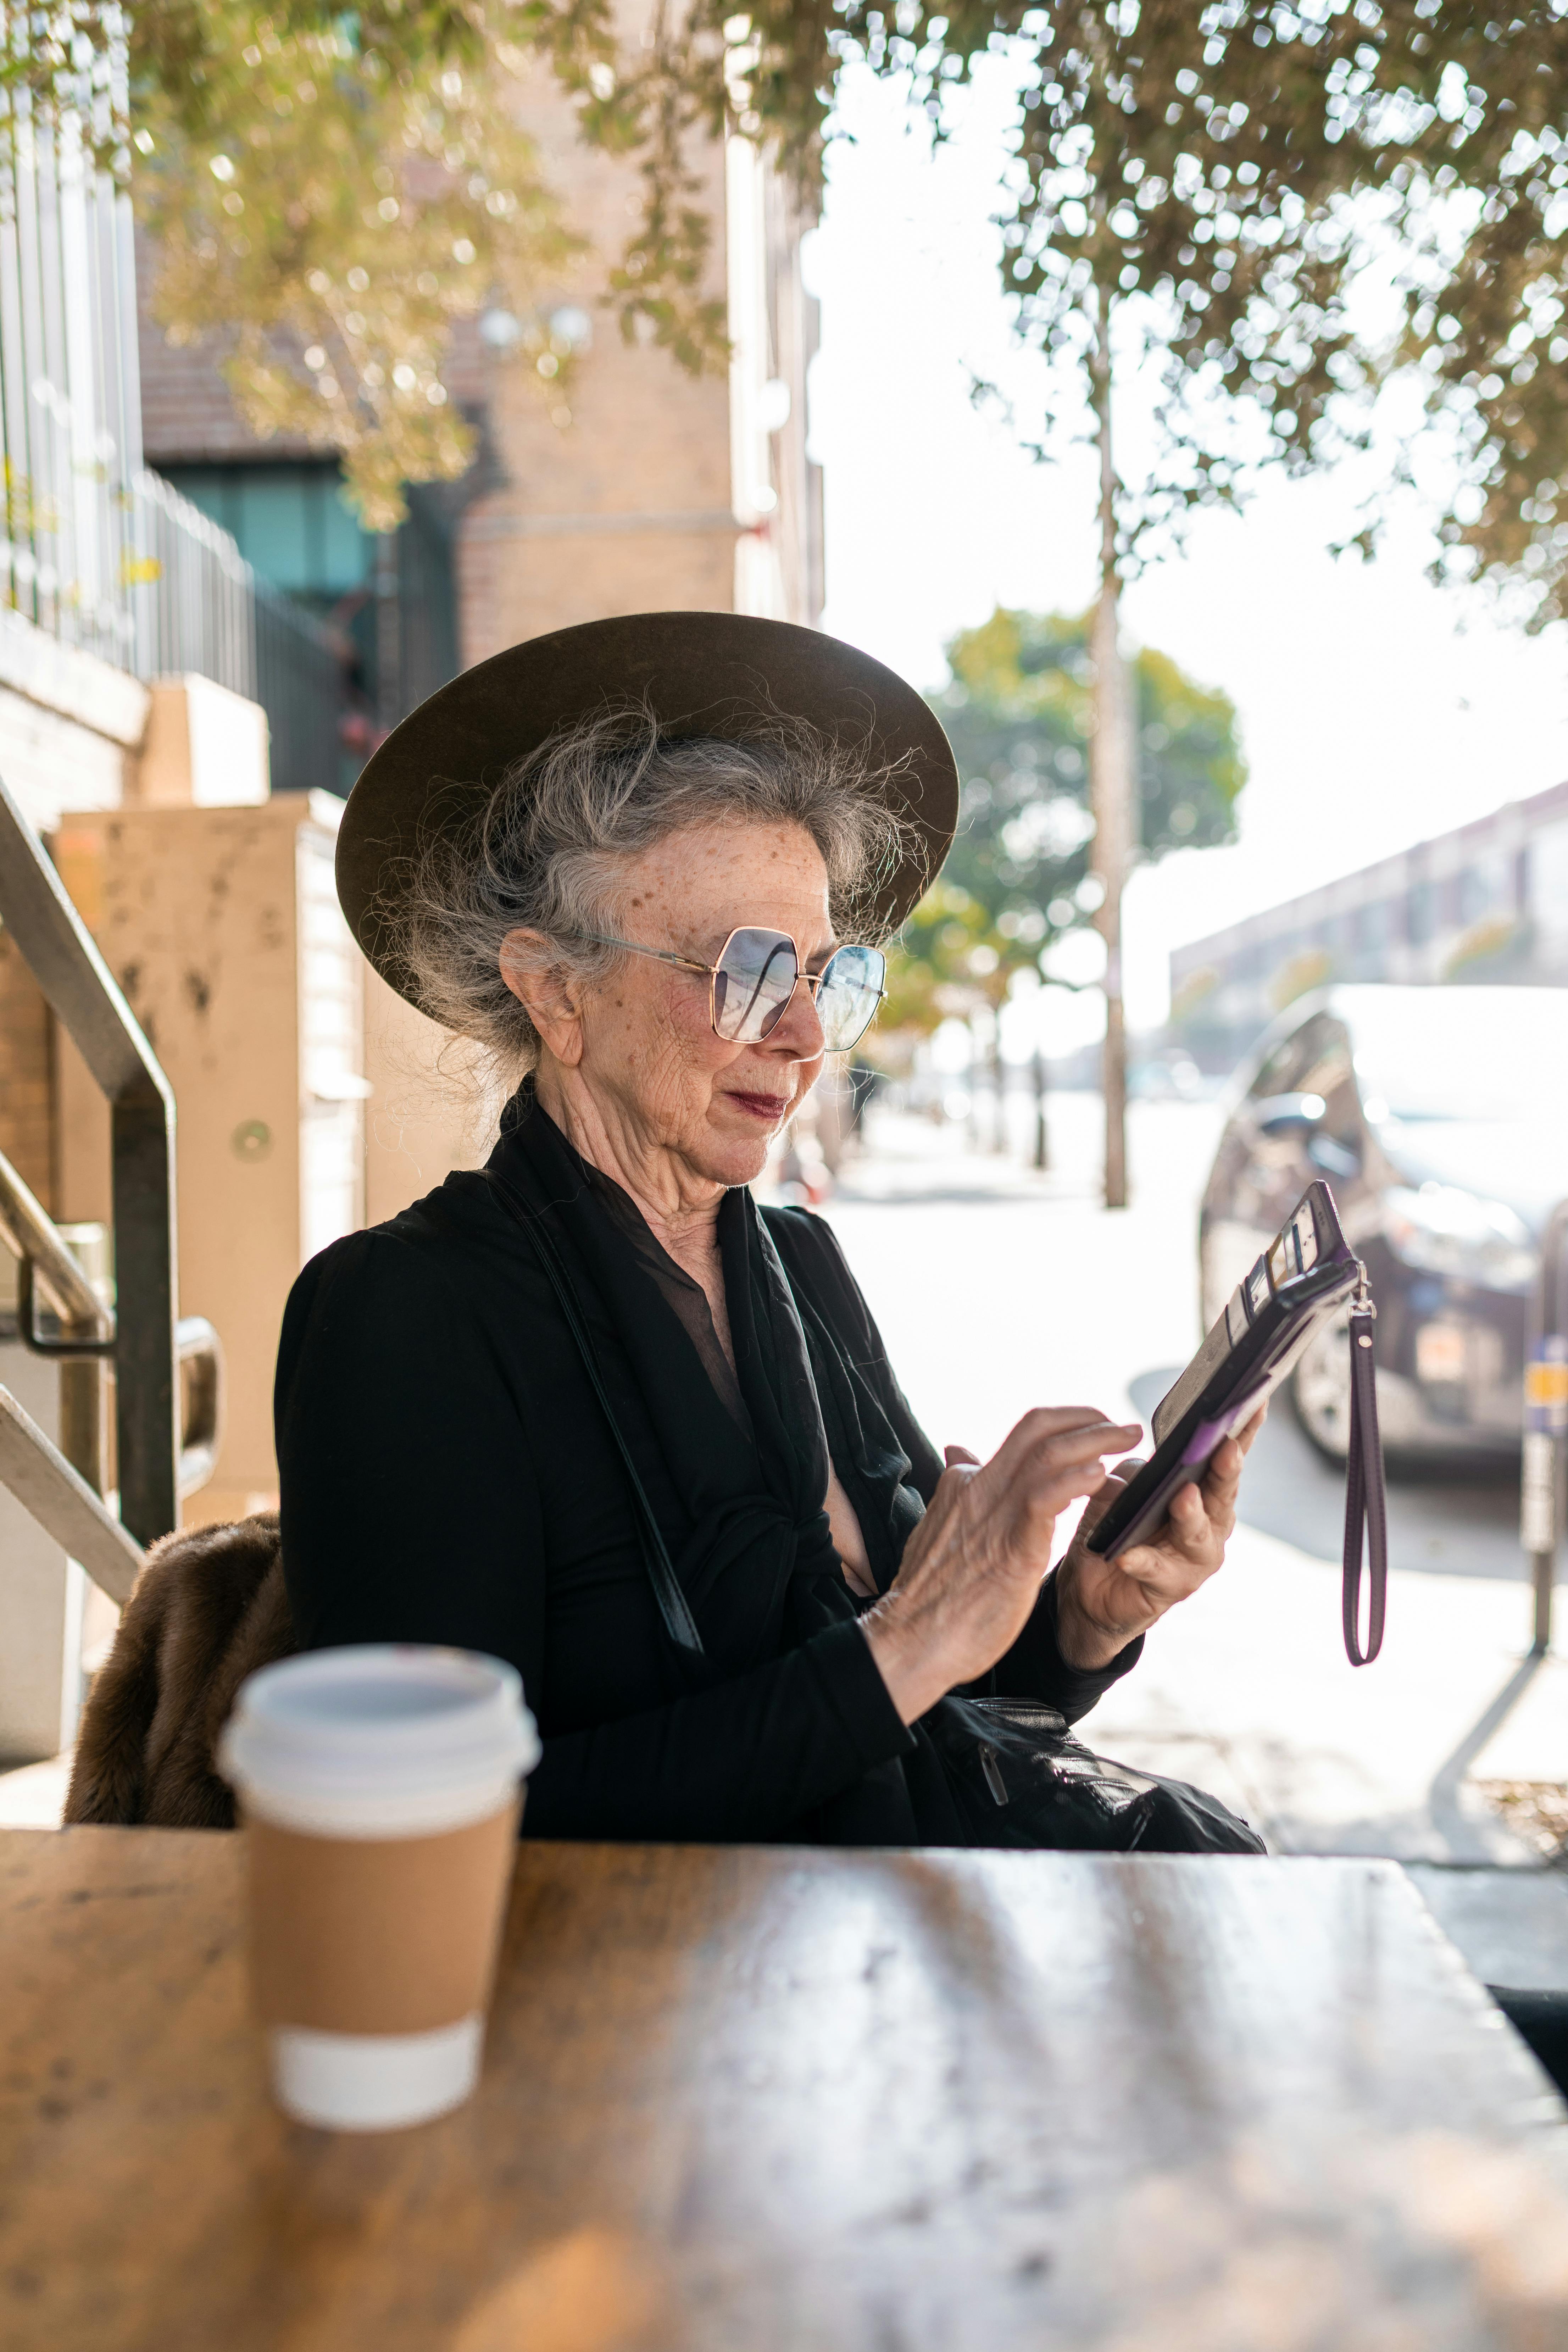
(757, 975)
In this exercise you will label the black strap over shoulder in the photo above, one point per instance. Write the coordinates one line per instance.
(678, 1622)
(1366, 1501)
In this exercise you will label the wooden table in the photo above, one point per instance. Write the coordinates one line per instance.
(742, 2099)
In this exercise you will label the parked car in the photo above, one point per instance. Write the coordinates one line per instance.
(1439, 1117)
(1166, 1078)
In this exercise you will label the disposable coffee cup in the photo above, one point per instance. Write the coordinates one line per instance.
(379, 1790)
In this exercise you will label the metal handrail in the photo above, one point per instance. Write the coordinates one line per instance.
(87, 1336)
(55, 945)
(86, 1325)
(64, 1505)
(30, 1233)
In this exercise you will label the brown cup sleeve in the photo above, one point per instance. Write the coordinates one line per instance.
(376, 1935)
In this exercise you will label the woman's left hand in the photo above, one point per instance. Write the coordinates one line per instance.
(1103, 1604)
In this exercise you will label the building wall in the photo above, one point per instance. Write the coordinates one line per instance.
(1486, 902)
(664, 490)
(52, 762)
(773, 326)
(614, 492)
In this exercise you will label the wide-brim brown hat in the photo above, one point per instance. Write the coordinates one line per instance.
(713, 673)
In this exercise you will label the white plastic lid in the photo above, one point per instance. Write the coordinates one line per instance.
(378, 1733)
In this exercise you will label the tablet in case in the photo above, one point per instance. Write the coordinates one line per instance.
(1298, 1283)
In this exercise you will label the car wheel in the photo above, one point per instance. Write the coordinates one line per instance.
(1320, 1389)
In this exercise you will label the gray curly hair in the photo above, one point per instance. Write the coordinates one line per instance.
(547, 849)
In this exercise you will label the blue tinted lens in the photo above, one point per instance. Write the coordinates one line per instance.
(848, 994)
(754, 980)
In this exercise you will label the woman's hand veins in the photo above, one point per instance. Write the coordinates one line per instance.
(972, 1569)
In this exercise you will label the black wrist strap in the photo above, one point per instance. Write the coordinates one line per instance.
(1366, 1510)
(678, 1622)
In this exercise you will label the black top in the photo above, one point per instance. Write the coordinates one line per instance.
(448, 1475)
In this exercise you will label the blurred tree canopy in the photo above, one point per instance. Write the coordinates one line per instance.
(1017, 711)
(332, 189)
(1241, 164)
(330, 194)
(1237, 164)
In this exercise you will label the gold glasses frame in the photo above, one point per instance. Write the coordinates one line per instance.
(812, 980)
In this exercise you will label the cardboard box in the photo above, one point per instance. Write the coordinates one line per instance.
(221, 926)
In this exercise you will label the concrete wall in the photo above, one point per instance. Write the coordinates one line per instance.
(41, 1597)
(427, 1112)
(223, 928)
(204, 747)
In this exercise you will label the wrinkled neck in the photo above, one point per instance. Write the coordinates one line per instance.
(679, 1205)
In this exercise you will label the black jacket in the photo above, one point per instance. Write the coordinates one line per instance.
(448, 1475)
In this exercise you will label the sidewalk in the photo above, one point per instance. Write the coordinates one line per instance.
(997, 1289)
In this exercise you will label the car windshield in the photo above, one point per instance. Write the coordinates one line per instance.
(1458, 1053)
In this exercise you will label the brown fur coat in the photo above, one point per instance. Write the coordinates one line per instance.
(208, 1609)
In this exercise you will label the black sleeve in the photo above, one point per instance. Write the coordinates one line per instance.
(737, 1763)
(407, 1498)
(1034, 1667)
(411, 1513)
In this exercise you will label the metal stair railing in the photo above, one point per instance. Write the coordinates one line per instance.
(87, 1338)
(143, 1337)
(64, 1505)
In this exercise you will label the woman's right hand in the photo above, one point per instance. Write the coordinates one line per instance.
(972, 1569)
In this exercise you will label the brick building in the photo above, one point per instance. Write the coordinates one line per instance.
(665, 491)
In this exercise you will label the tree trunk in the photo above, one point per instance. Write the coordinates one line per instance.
(976, 1062)
(1042, 1132)
(1111, 779)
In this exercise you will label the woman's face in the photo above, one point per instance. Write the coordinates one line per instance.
(647, 1051)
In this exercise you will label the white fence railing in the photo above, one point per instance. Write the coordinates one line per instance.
(94, 548)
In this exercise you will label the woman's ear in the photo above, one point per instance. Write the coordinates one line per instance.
(542, 984)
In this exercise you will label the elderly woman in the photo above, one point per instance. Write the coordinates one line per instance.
(588, 1407)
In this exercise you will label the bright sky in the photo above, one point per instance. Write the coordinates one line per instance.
(1375, 710)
